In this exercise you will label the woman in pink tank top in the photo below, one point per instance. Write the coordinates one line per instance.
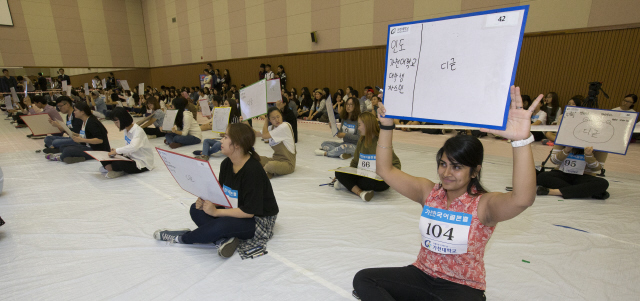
(458, 214)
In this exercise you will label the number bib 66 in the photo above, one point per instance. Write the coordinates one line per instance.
(444, 231)
(367, 162)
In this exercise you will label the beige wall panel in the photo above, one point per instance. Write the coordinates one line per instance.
(356, 29)
(547, 15)
(222, 33)
(41, 29)
(95, 33)
(195, 30)
(430, 9)
(469, 6)
(137, 33)
(154, 33)
(385, 13)
(276, 26)
(163, 32)
(614, 12)
(18, 34)
(238, 29)
(256, 31)
(325, 19)
(173, 33)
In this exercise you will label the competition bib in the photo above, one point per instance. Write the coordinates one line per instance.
(82, 134)
(367, 162)
(574, 164)
(444, 231)
(350, 128)
(127, 139)
(232, 195)
(69, 124)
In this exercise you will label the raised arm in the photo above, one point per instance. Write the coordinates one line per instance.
(415, 188)
(496, 207)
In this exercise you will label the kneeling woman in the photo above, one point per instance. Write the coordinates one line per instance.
(186, 130)
(458, 215)
(575, 174)
(280, 135)
(92, 136)
(242, 178)
(364, 158)
(138, 148)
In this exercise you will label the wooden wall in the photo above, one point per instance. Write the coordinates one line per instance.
(562, 62)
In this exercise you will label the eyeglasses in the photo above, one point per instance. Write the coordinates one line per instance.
(349, 105)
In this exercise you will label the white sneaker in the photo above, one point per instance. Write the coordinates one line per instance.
(103, 170)
(217, 154)
(345, 156)
(320, 152)
(337, 185)
(170, 235)
(366, 195)
(151, 136)
(114, 174)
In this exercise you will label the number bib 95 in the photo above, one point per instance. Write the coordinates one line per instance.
(367, 162)
(574, 164)
(444, 231)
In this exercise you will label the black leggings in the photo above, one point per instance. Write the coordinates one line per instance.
(349, 180)
(573, 186)
(126, 166)
(409, 283)
(154, 131)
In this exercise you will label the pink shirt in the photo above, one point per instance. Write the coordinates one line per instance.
(468, 268)
(53, 113)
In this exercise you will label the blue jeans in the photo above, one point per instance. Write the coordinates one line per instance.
(210, 229)
(210, 146)
(184, 140)
(58, 142)
(335, 149)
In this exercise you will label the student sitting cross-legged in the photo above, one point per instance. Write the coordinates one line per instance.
(281, 140)
(53, 143)
(364, 157)
(186, 130)
(348, 132)
(92, 136)
(137, 149)
(211, 147)
(244, 181)
(156, 119)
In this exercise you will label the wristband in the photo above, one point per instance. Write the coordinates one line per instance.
(524, 142)
(386, 127)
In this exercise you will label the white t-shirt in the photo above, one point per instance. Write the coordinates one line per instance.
(138, 147)
(283, 133)
(542, 116)
(620, 109)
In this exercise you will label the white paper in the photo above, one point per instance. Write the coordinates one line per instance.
(359, 172)
(196, 177)
(124, 85)
(273, 90)
(169, 120)
(604, 130)
(39, 124)
(8, 103)
(104, 83)
(332, 116)
(104, 156)
(65, 127)
(204, 107)
(253, 100)
(220, 119)
(86, 89)
(94, 83)
(69, 88)
(452, 71)
(141, 89)
(64, 87)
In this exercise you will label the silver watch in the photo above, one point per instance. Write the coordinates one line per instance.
(524, 142)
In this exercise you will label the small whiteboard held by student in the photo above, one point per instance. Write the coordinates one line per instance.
(39, 124)
(332, 116)
(141, 89)
(65, 127)
(220, 119)
(454, 70)
(86, 89)
(196, 177)
(64, 87)
(125, 85)
(169, 120)
(604, 130)
(273, 90)
(8, 103)
(204, 107)
(253, 100)
(104, 156)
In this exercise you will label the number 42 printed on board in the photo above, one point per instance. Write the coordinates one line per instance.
(503, 19)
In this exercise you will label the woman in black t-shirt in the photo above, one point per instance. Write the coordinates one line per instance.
(248, 189)
(92, 136)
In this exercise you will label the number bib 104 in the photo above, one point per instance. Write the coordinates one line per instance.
(444, 231)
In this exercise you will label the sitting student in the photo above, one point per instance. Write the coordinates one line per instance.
(39, 103)
(407, 122)
(348, 132)
(280, 135)
(92, 136)
(186, 130)
(364, 157)
(318, 109)
(212, 146)
(575, 174)
(137, 149)
(539, 117)
(552, 108)
(244, 182)
(551, 136)
(156, 119)
(375, 100)
(306, 102)
(288, 116)
(54, 143)
(627, 103)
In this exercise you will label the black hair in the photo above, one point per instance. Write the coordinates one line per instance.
(19, 78)
(261, 66)
(327, 92)
(271, 110)
(577, 99)
(84, 107)
(3, 70)
(267, 65)
(634, 98)
(180, 104)
(123, 116)
(281, 67)
(354, 93)
(40, 73)
(468, 151)
(66, 99)
(39, 99)
(61, 69)
(526, 98)
(368, 88)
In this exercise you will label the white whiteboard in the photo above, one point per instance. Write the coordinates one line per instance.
(5, 13)
(8, 103)
(124, 84)
(86, 89)
(332, 116)
(141, 89)
(273, 90)
(604, 130)
(195, 176)
(204, 107)
(253, 100)
(39, 124)
(169, 120)
(454, 70)
(220, 119)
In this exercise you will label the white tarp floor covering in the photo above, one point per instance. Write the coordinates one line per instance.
(71, 234)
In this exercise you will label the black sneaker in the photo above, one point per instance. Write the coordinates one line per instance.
(601, 196)
(30, 135)
(542, 190)
(51, 150)
(227, 247)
